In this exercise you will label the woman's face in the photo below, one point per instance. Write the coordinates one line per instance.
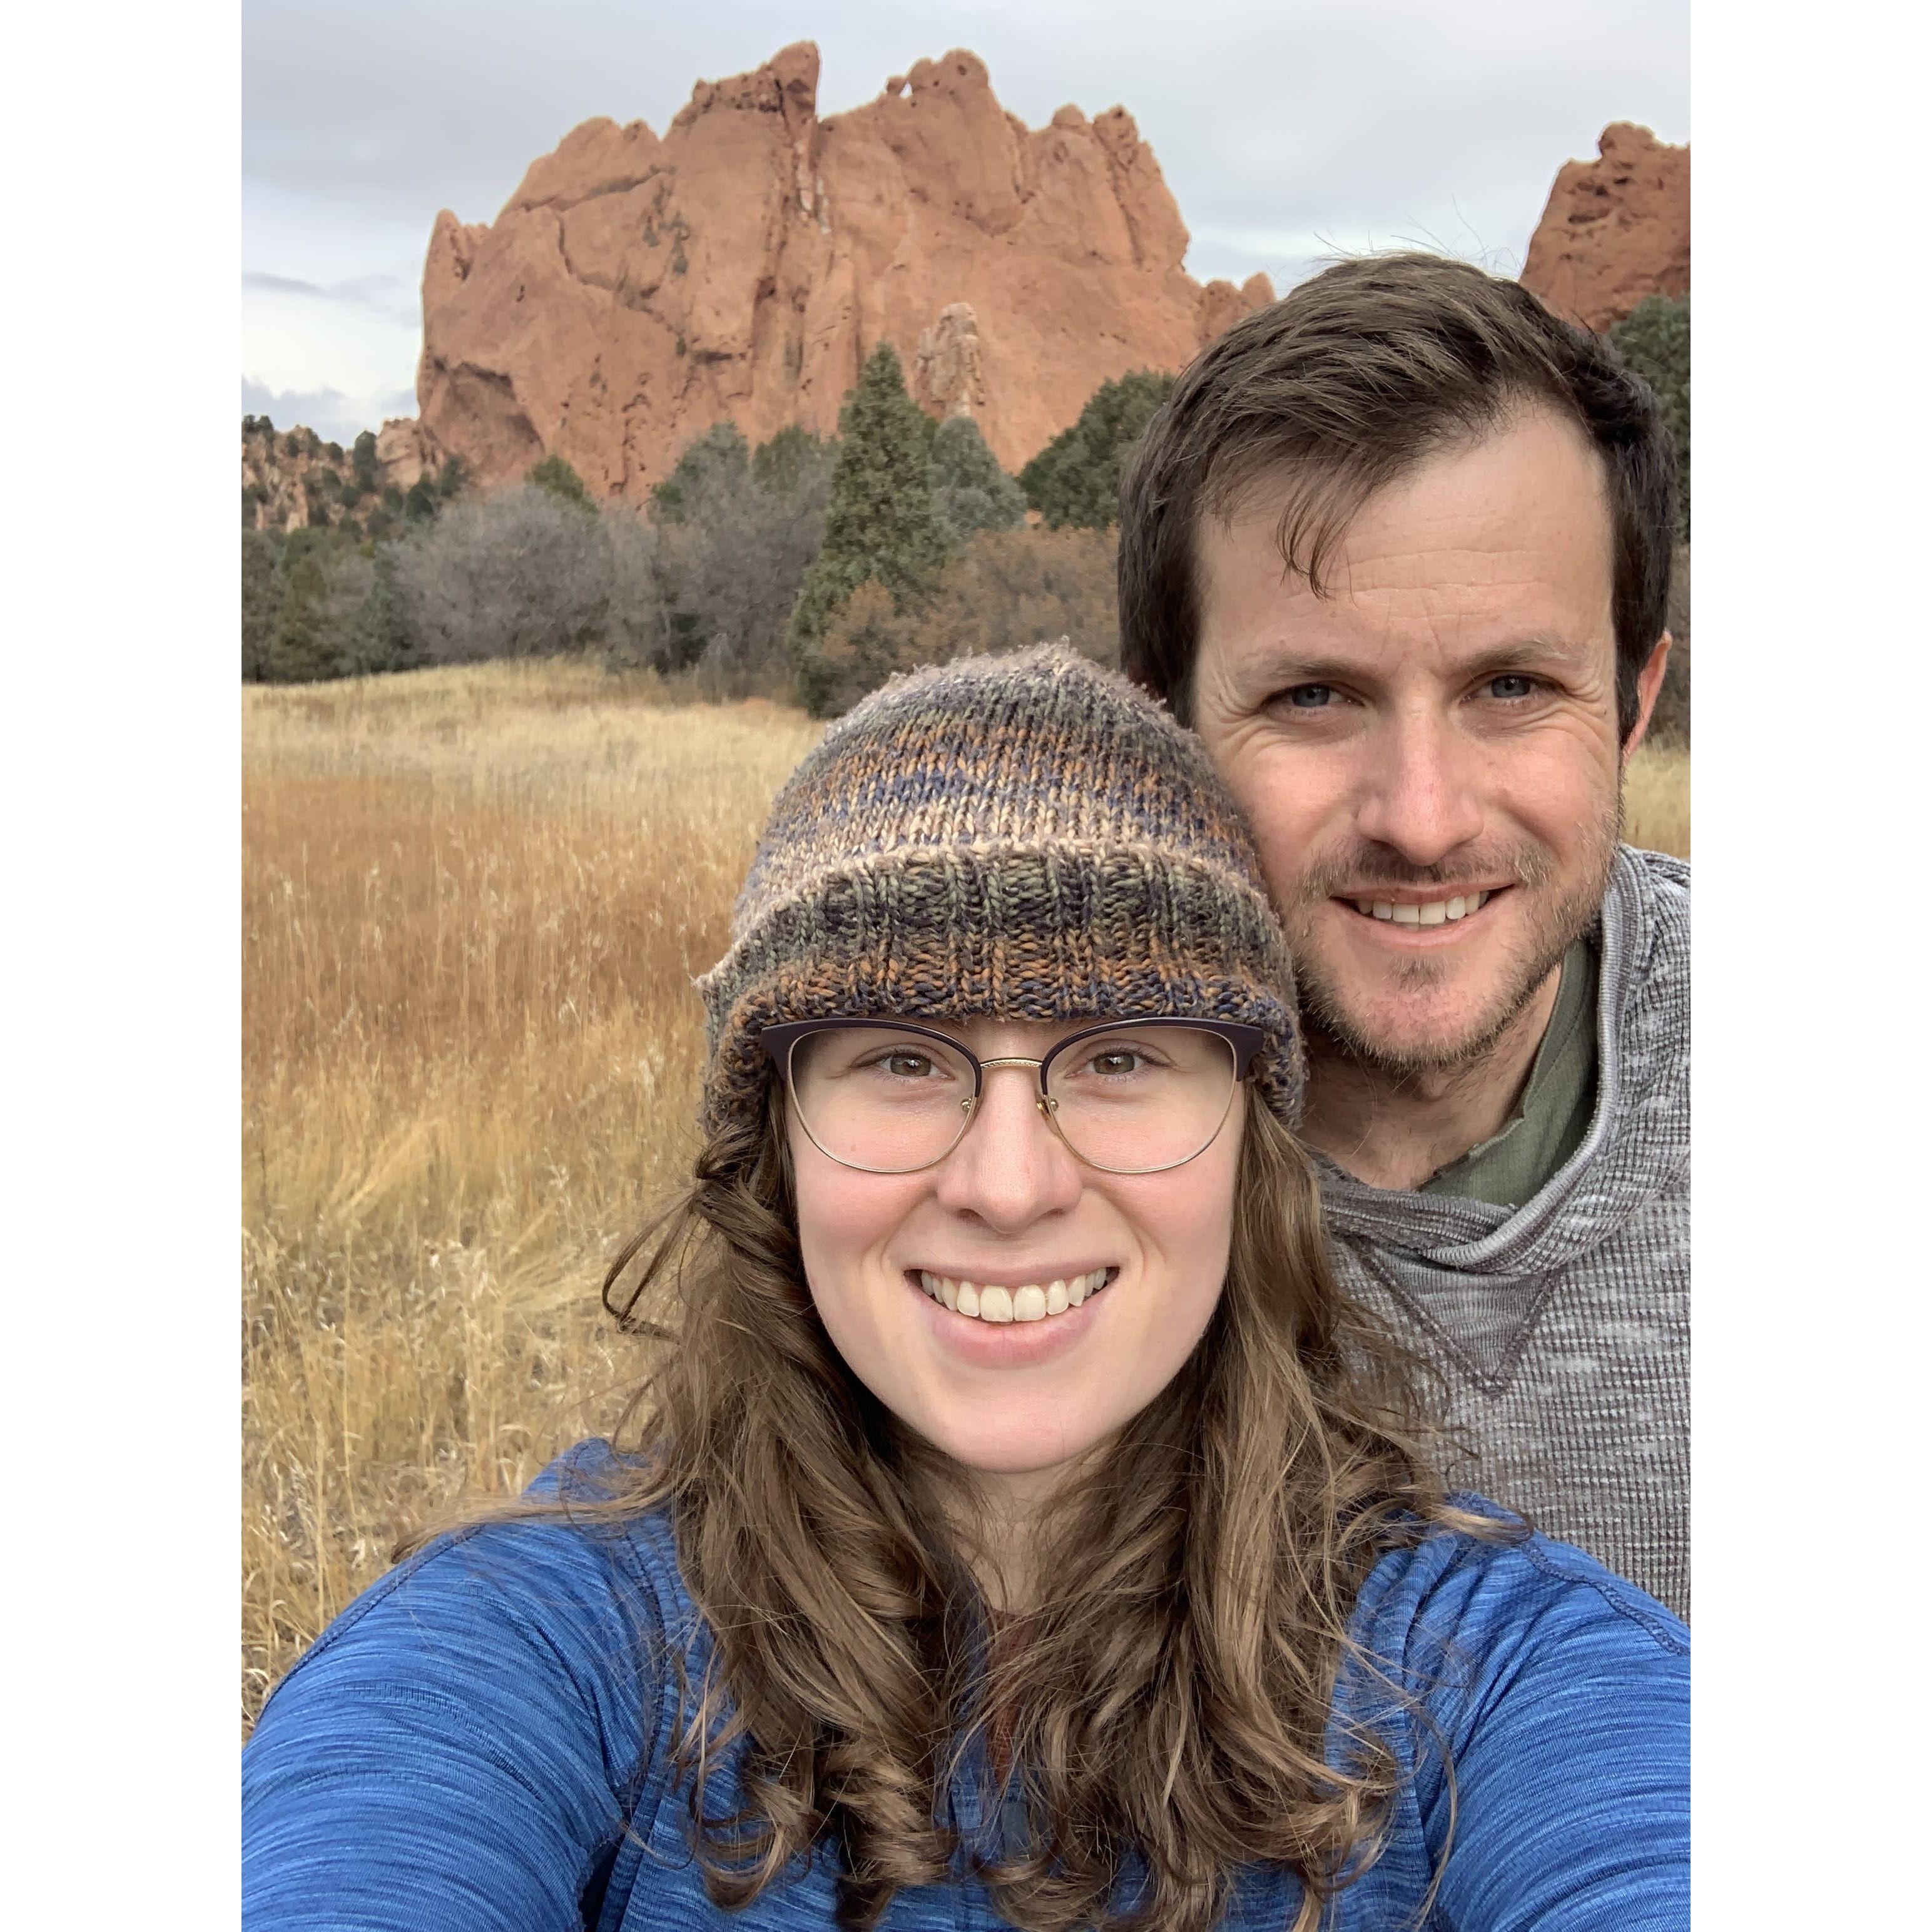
(1008, 1209)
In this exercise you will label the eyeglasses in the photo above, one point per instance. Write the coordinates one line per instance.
(1132, 1097)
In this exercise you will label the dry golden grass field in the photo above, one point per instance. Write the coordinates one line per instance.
(472, 902)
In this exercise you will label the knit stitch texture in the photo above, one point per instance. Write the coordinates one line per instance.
(1024, 837)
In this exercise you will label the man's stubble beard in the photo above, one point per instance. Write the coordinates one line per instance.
(1331, 1027)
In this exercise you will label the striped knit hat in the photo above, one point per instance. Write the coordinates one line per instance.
(1023, 837)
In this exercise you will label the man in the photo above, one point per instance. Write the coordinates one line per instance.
(1399, 548)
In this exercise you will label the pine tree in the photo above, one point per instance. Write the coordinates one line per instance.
(718, 461)
(261, 600)
(385, 635)
(881, 524)
(969, 490)
(1655, 339)
(1076, 478)
(300, 647)
(556, 476)
(795, 460)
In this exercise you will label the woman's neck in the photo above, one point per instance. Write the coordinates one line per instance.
(1009, 1514)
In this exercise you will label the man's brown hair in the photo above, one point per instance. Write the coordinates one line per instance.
(1345, 384)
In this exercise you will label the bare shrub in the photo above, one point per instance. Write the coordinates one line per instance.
(735, 532)
(641, 595)
(1006, 589)
(519, 574)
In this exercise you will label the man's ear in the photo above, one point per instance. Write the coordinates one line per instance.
(1649, 683)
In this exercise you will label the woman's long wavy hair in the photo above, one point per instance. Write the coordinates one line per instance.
(1161, 1708)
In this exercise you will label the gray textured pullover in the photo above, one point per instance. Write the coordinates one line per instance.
(1562, 1328)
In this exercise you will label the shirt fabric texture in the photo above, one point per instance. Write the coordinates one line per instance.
(1560, 1330)
(482, 1742)
(1550, 1121)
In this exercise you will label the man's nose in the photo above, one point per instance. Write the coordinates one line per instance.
(1011, 1168)
(1420, 795)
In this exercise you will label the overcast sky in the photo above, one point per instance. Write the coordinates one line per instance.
(1288, 131)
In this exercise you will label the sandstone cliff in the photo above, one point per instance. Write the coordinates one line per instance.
(635, 290)
(1616, 228)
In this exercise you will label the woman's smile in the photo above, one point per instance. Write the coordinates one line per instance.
(1006, 1338)
(1034, 1295)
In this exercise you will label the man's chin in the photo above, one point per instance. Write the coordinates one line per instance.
(1439, 1040)
(1420, 1019)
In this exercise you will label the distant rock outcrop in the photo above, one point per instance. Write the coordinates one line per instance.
(290, 477)
(636, 290)
(1616, 228)
(293, 480)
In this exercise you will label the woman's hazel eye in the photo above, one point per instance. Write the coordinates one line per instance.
(1115, 1064)
(909, 1065)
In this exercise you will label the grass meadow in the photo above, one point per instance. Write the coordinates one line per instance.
(473, 900)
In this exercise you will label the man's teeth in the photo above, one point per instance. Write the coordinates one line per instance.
(1033, 1303)
(1434, 914)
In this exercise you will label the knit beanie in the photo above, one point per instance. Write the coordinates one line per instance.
(1026, 836)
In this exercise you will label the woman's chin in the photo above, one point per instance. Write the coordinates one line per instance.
(1016, 1452)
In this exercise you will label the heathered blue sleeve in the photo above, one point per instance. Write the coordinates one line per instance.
(460, 1750)
(1562, 1694)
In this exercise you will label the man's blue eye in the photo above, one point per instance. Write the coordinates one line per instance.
(1511, 686)
(1310, 697)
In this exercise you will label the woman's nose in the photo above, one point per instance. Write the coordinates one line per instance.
(1011, 1167)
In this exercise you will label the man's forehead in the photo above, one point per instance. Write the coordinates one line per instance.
(1531, 464)
(1513, 529)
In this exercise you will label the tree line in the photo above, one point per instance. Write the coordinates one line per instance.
(808, 567)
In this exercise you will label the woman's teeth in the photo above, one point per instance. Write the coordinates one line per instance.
(1033, 1303)
(1435, 914)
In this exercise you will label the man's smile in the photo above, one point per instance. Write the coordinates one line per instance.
(1418, 913)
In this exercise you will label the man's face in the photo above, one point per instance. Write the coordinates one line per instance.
(1428, 755)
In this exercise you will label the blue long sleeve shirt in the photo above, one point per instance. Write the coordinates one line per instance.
(482, 1741)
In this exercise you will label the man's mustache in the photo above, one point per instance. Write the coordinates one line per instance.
(1349, 873)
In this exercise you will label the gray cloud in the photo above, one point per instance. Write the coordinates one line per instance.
(285, 285)
(388, 295)
(1288, 130)
(334, 416)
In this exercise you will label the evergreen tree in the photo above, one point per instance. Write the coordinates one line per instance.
(1655, 340)
(881, 523)
(794, 460)
(362, 463)
(556, 476)
(385, 637)
(1076, 478)
(969, 490)
(717, 462)
(261, 599)
(300, 646)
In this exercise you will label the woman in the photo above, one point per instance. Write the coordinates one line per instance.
(1021, 1528)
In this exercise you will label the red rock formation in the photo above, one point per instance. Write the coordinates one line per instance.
(1616, 229)
(635, 291)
